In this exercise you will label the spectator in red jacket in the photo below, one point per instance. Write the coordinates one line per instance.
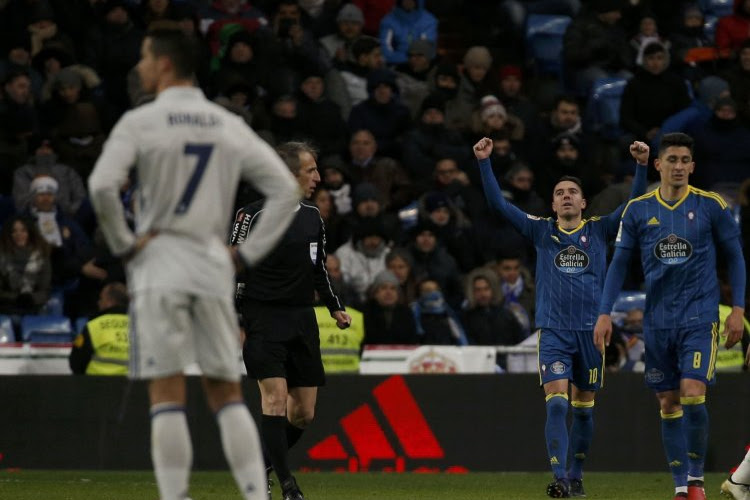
(732, 30)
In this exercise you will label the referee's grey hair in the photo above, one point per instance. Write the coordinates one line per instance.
(290, 151)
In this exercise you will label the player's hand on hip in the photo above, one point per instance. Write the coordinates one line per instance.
(483, 148)
(734, 327)
(343, 320)
(640, 151)
(602, 332)
(140, 243)
(234, 252)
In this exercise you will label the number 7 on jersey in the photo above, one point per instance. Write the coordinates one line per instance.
(203, 152)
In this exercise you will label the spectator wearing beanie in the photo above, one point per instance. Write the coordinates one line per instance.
(414, 76)
(407, 21)
(367, 204)
(452, 228)
(363, 256)
(491, 118)
(431, 141)
(432, 261)
(382, 113)
(476, 79)
(350, 22)
(387, 319)
(446, 83)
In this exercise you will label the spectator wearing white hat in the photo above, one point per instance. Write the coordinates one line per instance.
(70, 246)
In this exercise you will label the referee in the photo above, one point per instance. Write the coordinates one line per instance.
(276, 299)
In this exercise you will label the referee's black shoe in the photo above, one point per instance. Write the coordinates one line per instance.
(290, 490)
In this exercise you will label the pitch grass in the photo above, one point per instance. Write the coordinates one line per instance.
(114, 485)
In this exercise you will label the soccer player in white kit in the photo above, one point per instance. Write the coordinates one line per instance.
(189, 156)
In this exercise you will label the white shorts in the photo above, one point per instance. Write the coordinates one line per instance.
(170, 330)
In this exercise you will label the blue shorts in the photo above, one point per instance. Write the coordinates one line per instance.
(676, 353)
(570, 354)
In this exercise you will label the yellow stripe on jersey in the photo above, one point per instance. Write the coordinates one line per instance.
(692, 400)
(582, 404)
(714, 350)
(577, 228)
(556, 395)
(538, 363)
(677, 204)
(710, 194)
(669, 416)
(641, 197)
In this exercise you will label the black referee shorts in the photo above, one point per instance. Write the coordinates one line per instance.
(282, 341)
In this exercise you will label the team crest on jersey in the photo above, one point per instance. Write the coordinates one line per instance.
(654, 376)
(571, 260)
(314, 252)
(691, 215)
(673, 250)
(558, 368)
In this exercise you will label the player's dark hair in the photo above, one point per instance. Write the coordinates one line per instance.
(176, 46)
(676, 139)
(573, 179)
(290, 151)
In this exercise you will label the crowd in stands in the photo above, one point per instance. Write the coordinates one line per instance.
(393, 94)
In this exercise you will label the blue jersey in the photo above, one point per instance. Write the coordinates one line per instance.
(570, 270)
(678, 254)
(570, 265)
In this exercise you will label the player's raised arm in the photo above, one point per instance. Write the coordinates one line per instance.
(495, 198)
(262, 167)
(640, 153)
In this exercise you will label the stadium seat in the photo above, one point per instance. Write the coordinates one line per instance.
(718, 8)
(709, 27)
(55, 303)
(80, 323)
(46, 329)
(603, 107)
(408, 216)
(626, 301)
(544, 41)
(6, 330)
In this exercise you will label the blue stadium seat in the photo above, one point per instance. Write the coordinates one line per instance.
(408, 216)
(80, 323)
(544, 42)
(603, 107)
(628, 300)
(709, 27)
(55, 303)
(46, 329)
(6, 330)
(718, 8)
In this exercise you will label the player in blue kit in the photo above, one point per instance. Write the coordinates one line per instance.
(570, 268)
(677, 228)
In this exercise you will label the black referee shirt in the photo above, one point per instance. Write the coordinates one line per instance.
(295, 269)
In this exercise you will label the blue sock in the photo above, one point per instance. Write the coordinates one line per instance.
(556, 433)
(580, 436)
(674, 446)
(696, 433)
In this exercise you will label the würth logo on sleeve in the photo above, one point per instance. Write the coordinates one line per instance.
(399, 440)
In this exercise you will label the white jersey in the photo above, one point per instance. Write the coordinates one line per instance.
(189, 155)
